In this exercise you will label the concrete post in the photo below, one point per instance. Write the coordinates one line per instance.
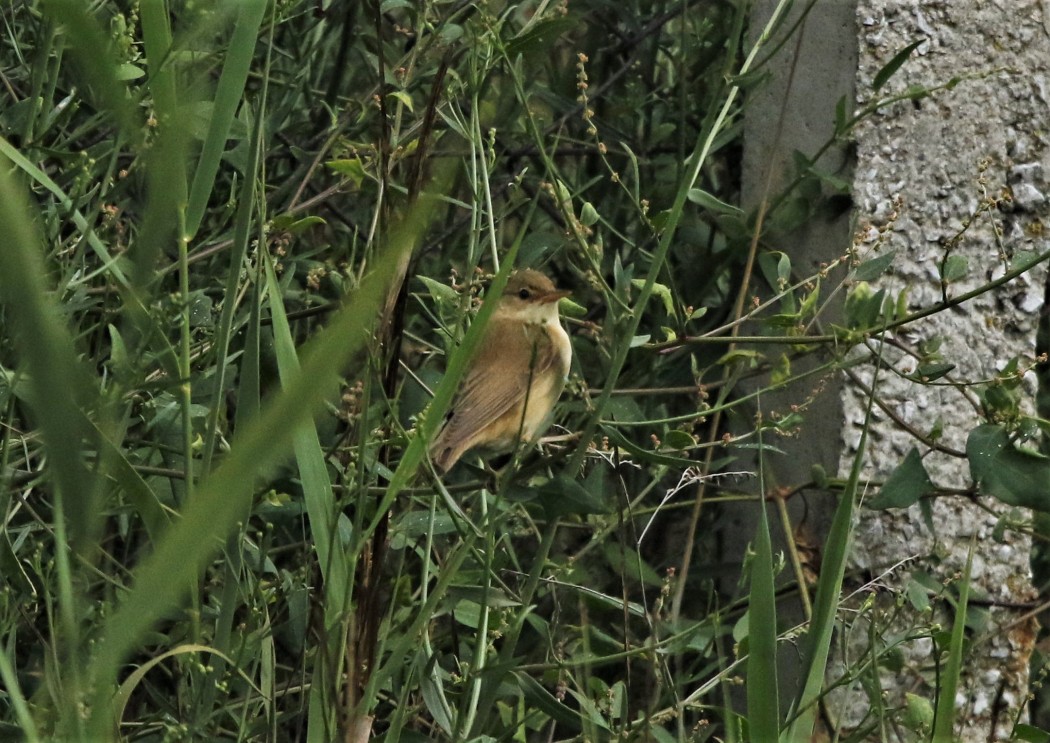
(922, 167)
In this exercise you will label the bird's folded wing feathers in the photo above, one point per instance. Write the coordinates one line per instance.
(523, 355)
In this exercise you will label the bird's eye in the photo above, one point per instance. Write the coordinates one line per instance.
(524, 294)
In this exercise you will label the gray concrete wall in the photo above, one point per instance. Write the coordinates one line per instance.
(921, 169)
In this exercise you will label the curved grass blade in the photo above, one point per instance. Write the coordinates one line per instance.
(227, 98)
(829, 586)
(59, 389)
(944, 720)
(109, 262)
(763, 710)
(322, 514)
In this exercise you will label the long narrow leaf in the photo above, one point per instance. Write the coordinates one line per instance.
(322, 513)
(109, 263)
(246, 204)
(166, 158)
(96, 60)
(829, 587)
(60, 389)
(227, 99)
(944, 721)
(763, 710)
(59, 385)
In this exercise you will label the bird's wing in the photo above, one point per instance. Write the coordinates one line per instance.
(524, 352)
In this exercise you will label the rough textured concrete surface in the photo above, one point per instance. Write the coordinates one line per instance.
(963, 171)
(926, 168)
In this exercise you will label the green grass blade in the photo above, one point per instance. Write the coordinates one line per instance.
(829, 587)
(156, 37)
(109, 263)
(944, 721)
(309, 457)
(763, 707)
(249, 401)
(167, 156)
(138, 491)
(60, 389)
(246, 206)
(159, 582)
(322, 514)
(17, 700)
(227, 99)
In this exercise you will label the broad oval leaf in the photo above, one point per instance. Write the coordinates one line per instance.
(1015, 476)
(872, 269)
(908, 483)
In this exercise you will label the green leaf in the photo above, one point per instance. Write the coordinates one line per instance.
(955, 267)
(862, 307)
(793, 213)
(404, 98)
(711, 203)
(931, 372)
(60, 385)
(647, 455)
(677, 440)
(817, 646)
(352, 169)
(918, 595)
(538, 697)
(228, 96)
(129, 72)
(908, 483)
(918, 713)
(564, 496)
(1017, 477)
(661, 291)
(944, 724)
(836, 184)
(883, 76)
(784, 267)
(541, 35)
(763, 710)
(434, 697)
(871, 269)
(571, 309)
(292, 224)
(741, 356)
(841, 115)
(439, 291)
(1031, 733)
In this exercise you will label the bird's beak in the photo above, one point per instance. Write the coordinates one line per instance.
(555, 296)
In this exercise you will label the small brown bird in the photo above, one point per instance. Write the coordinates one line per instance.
(516, 375)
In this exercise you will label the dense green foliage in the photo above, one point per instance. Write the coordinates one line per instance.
(218, 518)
